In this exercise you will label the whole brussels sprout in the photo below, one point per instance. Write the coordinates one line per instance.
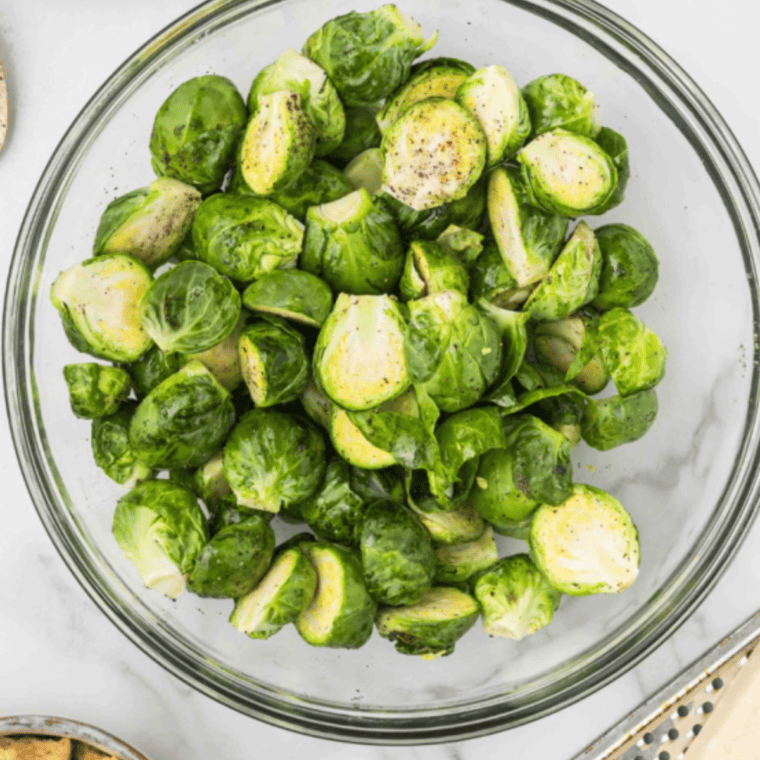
(567, 174)
(196, 131)
(112, 450)
(96, 390)
(629, 267)
(319, 98)
(273, 459)
(586, 545)
(366, 170)
(463, 244)
(429, 268)
(616, 147)
(614, 421)
(359, 358)
(244, 238)
(456, 563)
(183, 420)
(189, 308)
(148, 224)
(161, 530)
(491, 280)
(223, 360)
(433, 154)
(368, 55)
(353, 245)
(494, 99)
(151, 368)
(361, 134)
(278, 143)
(559, 101)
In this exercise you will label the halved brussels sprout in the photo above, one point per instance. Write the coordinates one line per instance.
(319, 99)
(368, 55)
(359, 358)
(316, 404)
(557, 100)
(273, 459)
(515, 597)
(366, 170)
(634, 355)
(161, 530)
(432, 625)
(586, 545)
(148, 224)
(151, 368)
(456, 563)
(112, 451)
(341, 612)
(433, 154)
(428, 268)
(278, 143)
(528, 239)
(361, 133)
(463, 244)
(573, 279)
(183, 420)
(494, 99)
(491, 280)
(244, 238)
(451, 527)
(273, 361)
(439, 78)
(223, 359)
(196, 130)
(616, 147)
(629, 267)
(96, 390)
(615, 421)
(567, 174)
(97, 301)
(189, 308)
(353, 245)
(280, 597)
(290, 293)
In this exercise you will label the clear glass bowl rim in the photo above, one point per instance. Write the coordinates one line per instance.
(736, 182)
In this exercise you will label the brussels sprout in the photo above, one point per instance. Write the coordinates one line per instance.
(616, 147)
(223, 359)
(148, 224)
(274, 362)
(280, 597)
(96, 390)
(615, 421)
(557, 100)
(452, 350)
(559, 343)
(353, 245)
(319, 99)
(368, 55)
(112, 451)
(196, 130)
(244, 238)
(234, 560)
(366, 170)
(341, 612)
(278, 143)
(440, 78)
(183, 420)
(428, 268)
(209, 482)
(273, 459)
(189, 308)
(359, 358)
(161, 530)
(290, 293)
(451, 527)
(493, 98)
(387, 484)
(561, 408)
(361, 133)
(634, 355)
(433, 154)
(432, 625)
(572, 281)
(151, 368)
(397, 554)
(335, 511)
(527, 239)
(316, 404)
(567, 174)
(515, 598)
(586, 545)
(463, 244)
(629, 267)
(97, 301)
(429, 223)
(491, 280)
(456, 563)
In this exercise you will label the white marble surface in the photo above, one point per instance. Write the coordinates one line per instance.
(58, 654)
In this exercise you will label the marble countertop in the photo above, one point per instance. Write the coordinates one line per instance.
(58, 654)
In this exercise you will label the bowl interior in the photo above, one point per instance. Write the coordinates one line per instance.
(685, 483)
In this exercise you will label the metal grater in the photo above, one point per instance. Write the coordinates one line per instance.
(664, 726)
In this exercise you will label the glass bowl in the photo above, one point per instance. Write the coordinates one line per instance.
(691, 484)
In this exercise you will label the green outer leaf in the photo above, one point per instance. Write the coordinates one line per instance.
(614, 421)
(112, 451)
(96, 390)
(558, 100)
(616, 147)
